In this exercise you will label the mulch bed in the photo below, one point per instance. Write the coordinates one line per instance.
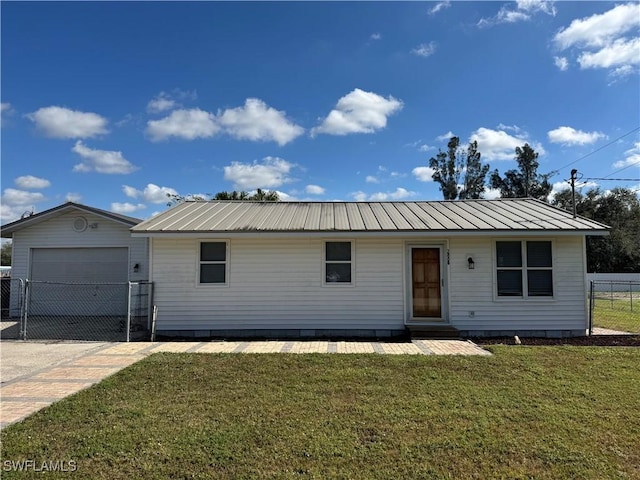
(595, 341)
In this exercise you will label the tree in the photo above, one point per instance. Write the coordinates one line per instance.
(259, 196)
(525, 181)
(474, 175)
(620, 209)
(449, 166)
(5, 254)
(446, 170)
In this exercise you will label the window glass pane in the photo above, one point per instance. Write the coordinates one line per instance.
(338, 273)
(212, 273)
(540, 283)
(213, 251)
(538, 254)
(510, 283)
(509, 254)
(340, 251)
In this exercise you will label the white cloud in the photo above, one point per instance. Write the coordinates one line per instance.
(439, 6)
(561, 62)
(608, 40)
(600, 30)
(425, 49)
(375, 36)
(73, 197)
(14, 203)
(561, 186)
(13, 196)
(30, 182)
(6, 110)
(423, 174)
(399, 194)
(524, 9)
(571, 136)
(256, 121)
(101, 161)
(632, 158)
(445, 136)
(161, 103)
(513, 128)
(314, 190)
(491, 193)
(358, 112)
(371, 179)
(126, 207)
(499, 145)
(59, 122)
(185, 124)
(620, 53)
(270, 173)
(425, 148)
(152, 193)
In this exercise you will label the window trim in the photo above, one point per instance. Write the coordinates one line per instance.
(211, 262)
(524, 269)
(352, 262)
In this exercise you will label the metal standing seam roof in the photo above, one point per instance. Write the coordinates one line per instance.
(517, 214)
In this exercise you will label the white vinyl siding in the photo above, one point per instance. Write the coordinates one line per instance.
(58, 232)
(474, 305)
(278, 284)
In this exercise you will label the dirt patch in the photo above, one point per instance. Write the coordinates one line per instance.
(596, 341)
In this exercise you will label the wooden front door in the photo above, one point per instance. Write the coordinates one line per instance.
(426, 282)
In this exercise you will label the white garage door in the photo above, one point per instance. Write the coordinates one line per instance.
(80, 282)
(80, 265)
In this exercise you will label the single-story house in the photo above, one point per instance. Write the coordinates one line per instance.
(480, 267)
(74, 243)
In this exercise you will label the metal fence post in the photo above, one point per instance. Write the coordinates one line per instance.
(129, 312)
(591, 303)
(25, 308)
(631, 295)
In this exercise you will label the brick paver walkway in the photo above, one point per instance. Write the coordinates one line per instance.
(22, 396)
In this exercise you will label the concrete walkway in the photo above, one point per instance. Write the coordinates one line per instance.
(24, 395)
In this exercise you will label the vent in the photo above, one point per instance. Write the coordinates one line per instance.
(80, 224)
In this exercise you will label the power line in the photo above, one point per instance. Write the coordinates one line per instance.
(614, 179)
(557, 171)
(623, 168)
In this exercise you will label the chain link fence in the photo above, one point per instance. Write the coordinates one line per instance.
(115, 312)
(12, 307)
(614, 307)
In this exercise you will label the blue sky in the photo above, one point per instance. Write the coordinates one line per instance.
(116, 104)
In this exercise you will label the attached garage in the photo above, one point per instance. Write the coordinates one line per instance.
(79, 245)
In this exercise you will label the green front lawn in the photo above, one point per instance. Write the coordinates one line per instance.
(617, 314)
(526, 412)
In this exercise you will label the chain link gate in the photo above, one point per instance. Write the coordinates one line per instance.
(112, 312)
(12, 308)
(614, 307)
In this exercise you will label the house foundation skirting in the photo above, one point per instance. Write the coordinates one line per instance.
(524, 333)
(284, 333)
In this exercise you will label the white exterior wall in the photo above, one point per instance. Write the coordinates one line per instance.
(278, 284)
(59, 232)
(473, 290)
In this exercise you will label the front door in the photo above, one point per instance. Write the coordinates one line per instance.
(426, 283)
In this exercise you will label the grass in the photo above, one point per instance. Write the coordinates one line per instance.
(526, 412)
(616, 314)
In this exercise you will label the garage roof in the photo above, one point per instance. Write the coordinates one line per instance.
(10, 228)
(510, 215)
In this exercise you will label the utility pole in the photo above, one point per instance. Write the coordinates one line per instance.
(574, 175)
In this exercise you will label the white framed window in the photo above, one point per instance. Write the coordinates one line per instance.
(213, 262)
(338, 262)
(524, 268)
